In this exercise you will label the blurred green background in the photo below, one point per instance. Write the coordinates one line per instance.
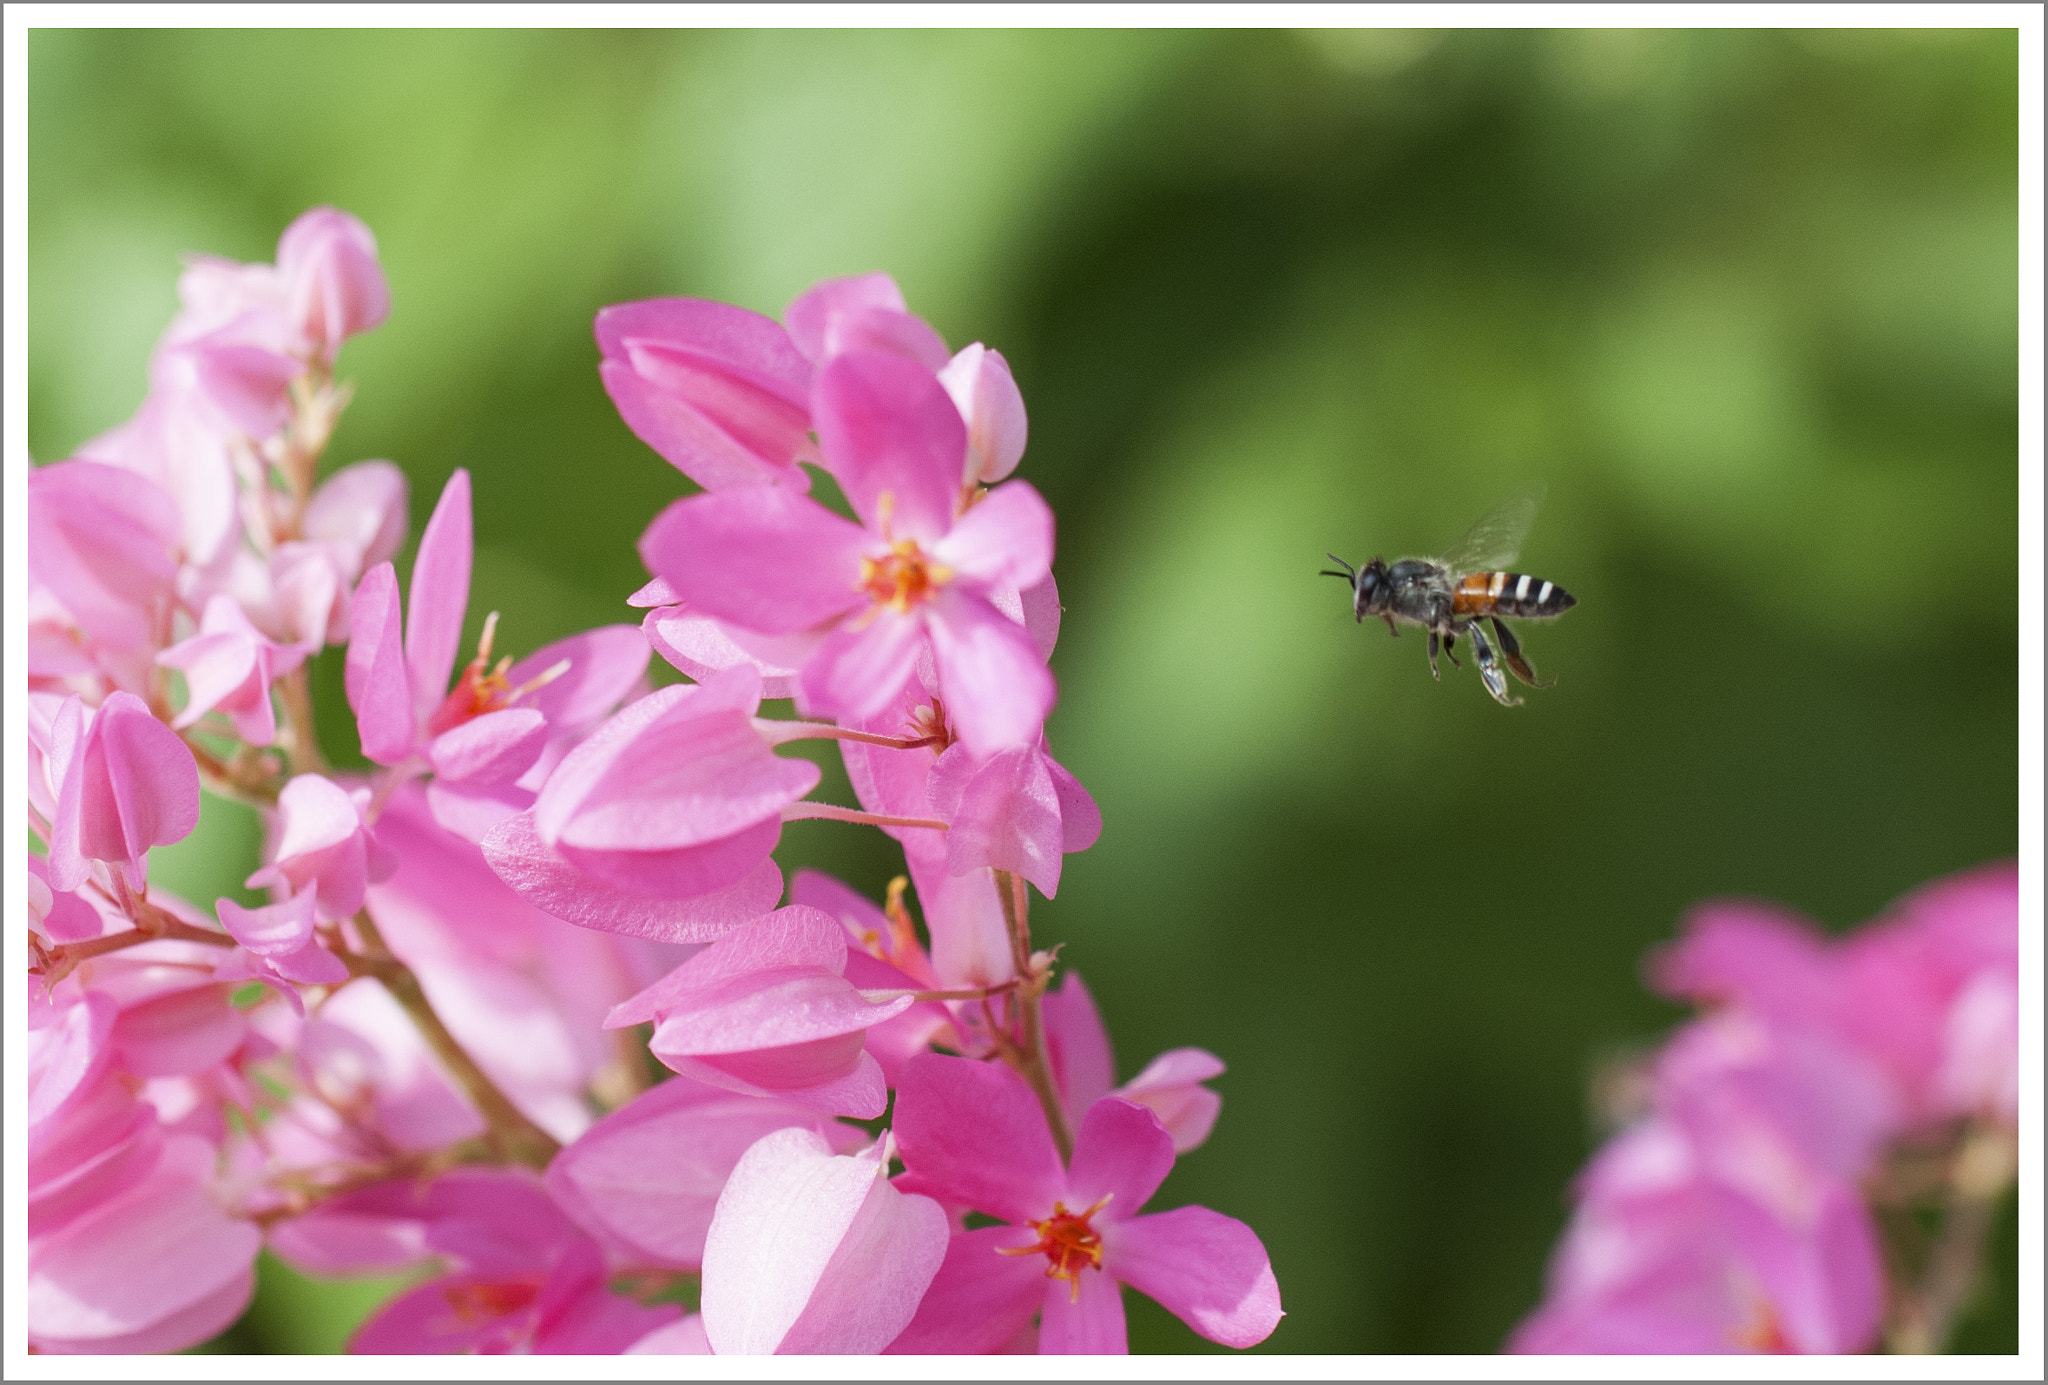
(1747, 300)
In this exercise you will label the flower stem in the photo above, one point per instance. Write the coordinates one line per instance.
(303, 747)
(776, 732)
(1028, 1054)
(516, 1137)
(805, 808)
(1924, 1312)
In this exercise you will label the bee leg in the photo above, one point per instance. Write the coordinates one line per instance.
(1390, 625)
(1489, 669)
(1451, 644)
(1511, 650)
(1432, 658)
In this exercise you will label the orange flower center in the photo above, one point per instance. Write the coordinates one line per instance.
(483, 688)
(903, 577)
(480, 1302)
(1069, 1243)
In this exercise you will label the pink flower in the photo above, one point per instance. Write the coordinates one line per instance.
(521, 1277)
(1018, 810)
(676, 797)
(986, 394)
(972, 1135)
(58, 915)
(230, 665)
(104, 542)
(323, 842)
(277, 946)
(475, 737)
(815, 1252)
(864, 598)
(645, 1179)
(125, 783)
(334, 287)
(768, 1011)
(157, 1266)
(718, 391)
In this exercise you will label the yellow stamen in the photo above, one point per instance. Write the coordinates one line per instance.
(1068, 1242)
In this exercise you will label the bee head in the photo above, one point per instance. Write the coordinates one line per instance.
(1370, 590)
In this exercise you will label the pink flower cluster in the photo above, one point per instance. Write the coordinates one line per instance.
(430, 1049)
(1738, 1212)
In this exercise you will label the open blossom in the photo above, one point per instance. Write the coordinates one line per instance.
(973, 1135)
(490, 739)
(857, 601)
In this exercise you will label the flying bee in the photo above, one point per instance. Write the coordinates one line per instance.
(1466, 589)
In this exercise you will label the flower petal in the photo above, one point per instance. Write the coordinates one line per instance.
(1084, 1320)
(988, 398)
(605, 664)
(375, 678)
(544, 879)
(886, 425)
(859, 669)
(697, 645)
(762, 557)
(1005, 540)
(811, 315)
(996, 688)
(815, 1252)
(980, 1298)
(495, 748)
(973, 1133)
(438, 597)
(1007, 816)
(645, 1180)
(1121, 1152)
(1208, 1270)
(1078, 1045)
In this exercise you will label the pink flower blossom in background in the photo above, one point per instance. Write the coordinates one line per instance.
(229, 666)
(972, 1136)
(324, 842)
(519, 1276)
(1733, 1217)
(104, 543)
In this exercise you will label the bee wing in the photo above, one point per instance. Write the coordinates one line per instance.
(1496, 540)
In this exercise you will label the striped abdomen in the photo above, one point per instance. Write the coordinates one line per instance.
(1509, 594)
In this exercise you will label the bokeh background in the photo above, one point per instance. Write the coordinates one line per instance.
(1746, 300)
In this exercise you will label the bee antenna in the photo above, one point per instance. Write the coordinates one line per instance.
(1349, 571)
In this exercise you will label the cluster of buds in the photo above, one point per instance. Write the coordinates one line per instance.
(433, 1050)
(1813, 1163)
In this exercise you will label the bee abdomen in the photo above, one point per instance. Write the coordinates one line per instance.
(1511, 594)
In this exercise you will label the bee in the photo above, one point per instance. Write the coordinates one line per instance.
(1466, 589)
